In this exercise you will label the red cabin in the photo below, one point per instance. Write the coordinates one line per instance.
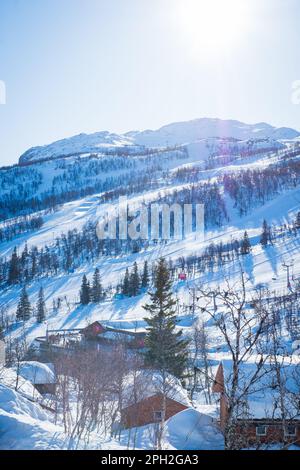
(93, 330)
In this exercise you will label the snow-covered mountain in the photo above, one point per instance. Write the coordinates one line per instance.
(179, 133)
(78, 144)
(191, 131)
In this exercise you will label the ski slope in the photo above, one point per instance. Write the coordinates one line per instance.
(262, 266)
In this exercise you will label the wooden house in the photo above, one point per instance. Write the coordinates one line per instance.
(93, 330)
(258, 420)
(145, 401)
(108, 335)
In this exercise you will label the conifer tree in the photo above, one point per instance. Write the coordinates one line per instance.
(14, 268)
(134, 281)
(34, 263)
(265, 236)
(24, 255)
(97, 290)
(24, 308)
(125, 287)
(245, 245)
(85, 291)
(41, 306)
(145, 276)
(1, 332)
(166, 350)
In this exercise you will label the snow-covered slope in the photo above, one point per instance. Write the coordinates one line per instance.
(262, 265)
(24, 425)
(187, 430)
(191, 430)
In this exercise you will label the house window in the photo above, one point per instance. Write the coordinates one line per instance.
(290, 431)
(261, 430)
(158, 415)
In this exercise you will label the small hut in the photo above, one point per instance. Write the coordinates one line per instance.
(40, 375)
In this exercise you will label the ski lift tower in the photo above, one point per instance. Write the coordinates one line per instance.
(287, 266)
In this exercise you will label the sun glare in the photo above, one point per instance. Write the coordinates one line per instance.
(212, 26)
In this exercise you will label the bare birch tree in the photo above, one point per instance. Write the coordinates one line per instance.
(241, 330)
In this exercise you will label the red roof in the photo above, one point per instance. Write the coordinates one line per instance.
(219, 383)
(93, 329)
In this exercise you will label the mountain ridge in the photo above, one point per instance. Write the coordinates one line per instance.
(177, 133)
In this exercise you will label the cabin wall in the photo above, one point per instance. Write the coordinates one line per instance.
(46, 388)
(223, 410)
(274, 434)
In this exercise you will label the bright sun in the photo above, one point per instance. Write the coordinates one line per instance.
(212, 25)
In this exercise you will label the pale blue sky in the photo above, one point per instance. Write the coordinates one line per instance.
(74, 66)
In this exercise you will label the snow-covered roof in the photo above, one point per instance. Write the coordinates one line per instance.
(37, 372)
(119, 335)
(145, 384)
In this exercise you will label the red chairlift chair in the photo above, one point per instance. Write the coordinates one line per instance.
(182, 276)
